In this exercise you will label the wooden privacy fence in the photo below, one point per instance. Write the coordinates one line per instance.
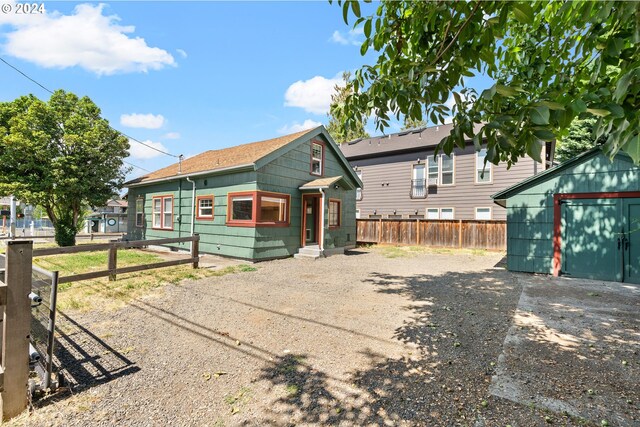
(112, 268)
(469, 234)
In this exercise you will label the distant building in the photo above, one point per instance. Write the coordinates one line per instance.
(111, 218)
(402, 179)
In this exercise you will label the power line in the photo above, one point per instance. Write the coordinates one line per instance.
(111, 127)
(136, 166)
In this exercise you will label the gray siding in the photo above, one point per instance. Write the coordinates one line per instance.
(464, 195)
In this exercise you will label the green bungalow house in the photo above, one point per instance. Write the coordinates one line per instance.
(294, 194)
(578, 219)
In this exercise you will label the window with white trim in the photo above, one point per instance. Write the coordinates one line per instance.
(139, 212)
(163, 212)
(316, 158)
(446, 213)
(418, 183)
(432, 170)
(483, 174)
(359, 190)
(433, 213)
(483, 213)
(446, 170)
(205, 207)
(157, 212)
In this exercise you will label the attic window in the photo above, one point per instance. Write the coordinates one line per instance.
(317, 158)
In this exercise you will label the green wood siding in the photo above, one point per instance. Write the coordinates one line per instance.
(216, 237)
(284, 174)
(530, 211)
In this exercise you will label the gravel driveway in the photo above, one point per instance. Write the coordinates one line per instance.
(355, 339)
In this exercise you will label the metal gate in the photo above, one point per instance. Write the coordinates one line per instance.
(44, 291)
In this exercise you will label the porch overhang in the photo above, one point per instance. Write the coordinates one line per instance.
(324, 183)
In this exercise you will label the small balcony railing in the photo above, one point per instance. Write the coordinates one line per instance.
(418, 188)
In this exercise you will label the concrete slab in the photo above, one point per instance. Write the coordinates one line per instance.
(574, 347)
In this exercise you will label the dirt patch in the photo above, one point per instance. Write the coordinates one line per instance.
(357, 339)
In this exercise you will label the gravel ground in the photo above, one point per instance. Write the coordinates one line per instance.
(355, 339)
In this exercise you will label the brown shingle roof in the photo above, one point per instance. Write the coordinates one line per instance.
(225, 158)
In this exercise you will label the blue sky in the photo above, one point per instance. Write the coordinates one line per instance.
(185, 77)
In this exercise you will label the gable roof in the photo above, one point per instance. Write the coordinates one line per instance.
(408, 140)
(220, 160)
(250, 156)
(501, 196)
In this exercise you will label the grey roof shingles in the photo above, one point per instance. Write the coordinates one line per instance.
(408, 140)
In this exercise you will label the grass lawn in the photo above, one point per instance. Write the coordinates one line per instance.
(102, 294)
(389, 251)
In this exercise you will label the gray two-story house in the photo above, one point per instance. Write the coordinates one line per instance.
(403, 179)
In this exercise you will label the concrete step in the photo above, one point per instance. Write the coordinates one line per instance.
(309, 252)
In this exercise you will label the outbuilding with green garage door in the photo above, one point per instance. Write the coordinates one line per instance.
(579, 219)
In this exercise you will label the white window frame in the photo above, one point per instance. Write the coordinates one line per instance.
(199, 214)
(414, 167)
(139, 212)
(478, 169)
(437, 212)
(453, 171)
(429, 172)
(357, 213)
(359, 190)
(453, 213)
(319, 160)
(484, 219)
(161, 213)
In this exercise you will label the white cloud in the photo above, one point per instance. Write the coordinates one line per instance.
(181, 53)
(353, 37)
(146, 121)
(139, 151)
(171, 135)
(86, 38)
(313, 95)
(298, 127)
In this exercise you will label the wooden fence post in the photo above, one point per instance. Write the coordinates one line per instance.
(113, 262)
(459, 233)
(16, 328)
(195, 249)
(418, 231)
(379, 230)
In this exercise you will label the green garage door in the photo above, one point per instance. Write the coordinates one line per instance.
(601, 239)
(632, 245)
(590, 231)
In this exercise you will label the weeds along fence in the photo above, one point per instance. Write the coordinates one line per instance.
(28, 306)
(468, 234)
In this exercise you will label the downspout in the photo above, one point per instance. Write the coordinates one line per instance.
(321, 242)
(193, 206)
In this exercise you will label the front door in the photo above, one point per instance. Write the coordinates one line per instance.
(310, 218)
(632, 241)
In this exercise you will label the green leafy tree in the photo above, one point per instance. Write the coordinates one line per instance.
(338, 131)
(551, 61)
(579, 139)
(412, 123)
(61, 155)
